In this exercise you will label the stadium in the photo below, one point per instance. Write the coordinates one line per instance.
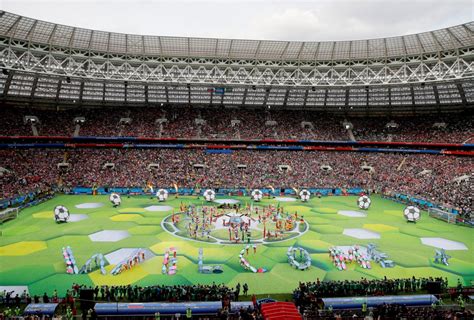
(151, 176)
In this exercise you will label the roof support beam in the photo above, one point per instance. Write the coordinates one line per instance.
(230, 48)
(284, 50)
(33, 88)
(108, 43)
(146, 94)
(245, 96)
(90, 41)
(30, 32)
(286, 97)
(420, 43)
(81, 93)
(8, 83)
(389, 92)
(58, 90)
(438, 43)
(436, 94)
(326, 93)
(52, 34)
(316, 51)
(455, 37)
(332, 50)
(103, 90)
(265, 98)
(412, 93)
(462, 94)
(305, 98)
(300, 50)
(13, 27)
(126, 43)
(257, 50)
(469, 32)
(404, 46)
(73, 33)
(189, 47)
(161, 46)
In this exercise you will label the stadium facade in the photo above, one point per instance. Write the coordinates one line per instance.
(47, 64)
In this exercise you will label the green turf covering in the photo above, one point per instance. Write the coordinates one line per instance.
(30, 248)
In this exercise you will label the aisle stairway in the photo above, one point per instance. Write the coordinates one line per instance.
(280, 311)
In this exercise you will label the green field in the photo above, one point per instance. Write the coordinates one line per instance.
(30, 247)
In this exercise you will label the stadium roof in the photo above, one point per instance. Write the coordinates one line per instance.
(16, 27)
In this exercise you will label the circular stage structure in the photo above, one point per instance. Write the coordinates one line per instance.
(228, 226)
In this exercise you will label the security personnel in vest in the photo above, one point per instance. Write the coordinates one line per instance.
(189, 313)
(364, 307)
(157, 315)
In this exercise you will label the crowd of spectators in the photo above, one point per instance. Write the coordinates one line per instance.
(218, 124)
(134, 293)
(391, 311)
(176, 293)
(309, 292)
(429, 177)
(309, 297)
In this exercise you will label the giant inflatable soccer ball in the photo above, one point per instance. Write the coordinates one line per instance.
(162, 195)
(257, 195)
(115, 199)
(411, 213)
(209, 195)
(364, 202)
(305, 195)
(61, 214)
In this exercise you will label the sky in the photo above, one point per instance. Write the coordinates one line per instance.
(252, 19)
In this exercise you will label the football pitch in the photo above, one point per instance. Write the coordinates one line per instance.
(31, 245)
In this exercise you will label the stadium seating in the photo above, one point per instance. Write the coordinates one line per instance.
(287, 125)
